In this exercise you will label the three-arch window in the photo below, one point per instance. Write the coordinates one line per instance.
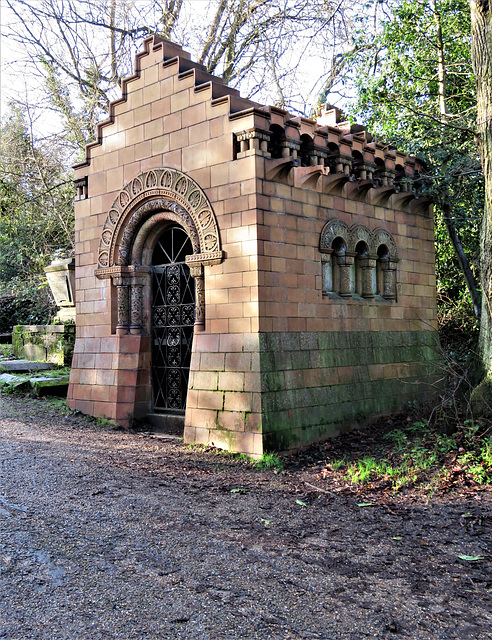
(357, 262)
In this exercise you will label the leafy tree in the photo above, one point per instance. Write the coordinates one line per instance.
(416, 91)
(36, 200)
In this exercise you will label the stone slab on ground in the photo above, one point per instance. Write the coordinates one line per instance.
(11, 380)
(53, 386)
(25, 366)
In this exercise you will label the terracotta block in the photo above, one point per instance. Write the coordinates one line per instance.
(194, 156)
(219, 174)
(105, 377)
(207, 380)
(231, 343)
(172, 122)
(203, 419)
(226, 280)
(237, 362)
(212, 361)
(238, 401)
(178, 140)
(220, 325)
(153, 129)
(228, 191)
(199, 132)
(231, 420)
(241, 325)
(219, 150)
(84, 406)
(160, 108)
(142, 115)
(216, 127)
(210, 400)
(135, 135)
(231, 381)
(152, 92)
(194, 115)
(181, 100)
(124, 412)
(152, 162)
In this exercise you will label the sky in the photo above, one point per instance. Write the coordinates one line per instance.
(17, 83)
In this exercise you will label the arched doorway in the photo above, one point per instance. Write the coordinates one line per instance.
(173, 318)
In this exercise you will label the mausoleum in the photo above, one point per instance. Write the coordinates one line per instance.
(265, 280)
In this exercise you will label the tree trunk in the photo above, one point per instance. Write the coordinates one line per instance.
(481, 47)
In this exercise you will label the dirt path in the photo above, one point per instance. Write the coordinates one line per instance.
(107, 535)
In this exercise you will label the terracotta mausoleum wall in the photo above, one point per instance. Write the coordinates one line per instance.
(311, 261)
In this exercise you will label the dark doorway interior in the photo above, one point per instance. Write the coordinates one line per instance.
(173, 318)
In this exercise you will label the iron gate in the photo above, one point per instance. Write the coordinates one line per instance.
(173, 317)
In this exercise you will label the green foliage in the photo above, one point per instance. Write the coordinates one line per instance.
(421, 456)
(269, 461)
(401, 100)
(6, 351)
(36, 200)
(26, 301)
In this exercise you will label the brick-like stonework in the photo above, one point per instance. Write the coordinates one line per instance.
(313, 262)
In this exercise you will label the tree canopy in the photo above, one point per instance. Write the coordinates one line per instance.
(81, 51)
(416, 90)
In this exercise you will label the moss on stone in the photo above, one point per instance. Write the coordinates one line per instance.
(481, 398)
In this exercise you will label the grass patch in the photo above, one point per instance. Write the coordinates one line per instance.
(418, 456)
(267, 461)
(6, 351)
(270, 461)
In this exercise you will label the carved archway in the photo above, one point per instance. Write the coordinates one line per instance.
(142, 206)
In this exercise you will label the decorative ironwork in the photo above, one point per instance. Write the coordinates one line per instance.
(173, 319)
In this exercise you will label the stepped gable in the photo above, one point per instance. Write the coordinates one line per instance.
(328, 154)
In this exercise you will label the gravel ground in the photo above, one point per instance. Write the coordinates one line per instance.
(106, 534)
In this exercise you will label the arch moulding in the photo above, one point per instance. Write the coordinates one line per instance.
(148, 200)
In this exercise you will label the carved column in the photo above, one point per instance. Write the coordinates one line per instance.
(123, 308)
(367, 266)
(326, 273)
(389, 279)
(290, 148)
(196, 272)
(344, 263)
(136, 306)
